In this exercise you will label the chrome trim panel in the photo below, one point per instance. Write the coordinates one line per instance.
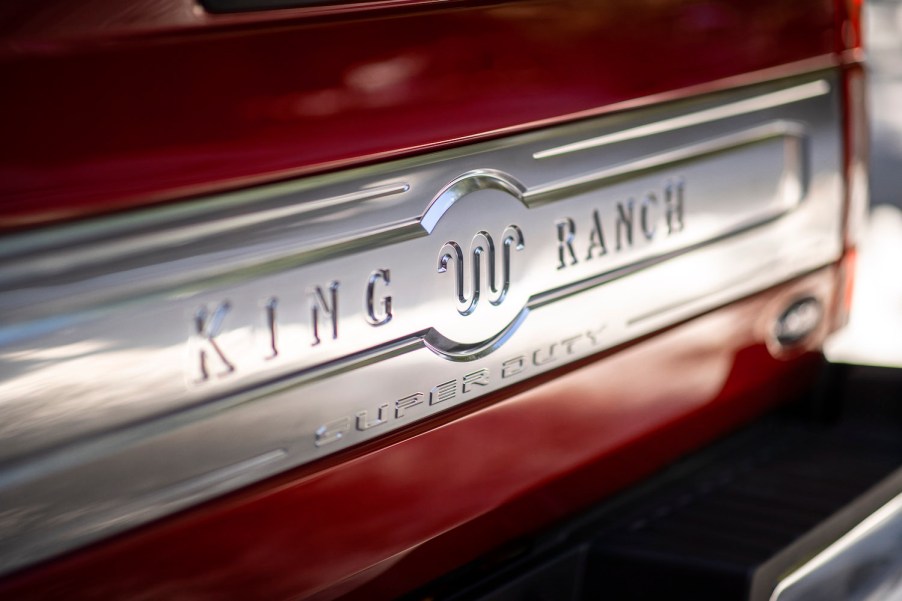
(316, 314)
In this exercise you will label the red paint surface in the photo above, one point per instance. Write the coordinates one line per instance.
(380, 520)
(107, 105)
(110, 105)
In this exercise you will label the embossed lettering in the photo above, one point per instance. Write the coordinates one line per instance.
(271, 305)
(332, 431)
(384, 315)
(365, 423)
(543, 356)
(566, 232)
(477, 378)
(512, 367)
(320, 304)
(481, 246)
(594, 335)
(596, 237)
(625, 223)
(443, 392)
(470, 385)
(207, 326)
(649, 204)
(673, 200)
(568, 343)
(402, 405)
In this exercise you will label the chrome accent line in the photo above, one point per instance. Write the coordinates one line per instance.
(778, 129)
(742, 107)
(468, 183)
(317, 314)
(874, 543)
(191, 232)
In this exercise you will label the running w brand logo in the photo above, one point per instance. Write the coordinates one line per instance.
(482, 249)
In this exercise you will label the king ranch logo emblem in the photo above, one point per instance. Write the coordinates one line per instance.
(482, 251)
(479, 291)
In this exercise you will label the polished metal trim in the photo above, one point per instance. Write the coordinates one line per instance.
(590, 181)
(316, 314)
(724, 111)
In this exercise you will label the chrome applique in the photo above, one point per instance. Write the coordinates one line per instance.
(262, 329)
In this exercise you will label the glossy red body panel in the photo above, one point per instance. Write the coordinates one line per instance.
(111, 105)
(382, 519)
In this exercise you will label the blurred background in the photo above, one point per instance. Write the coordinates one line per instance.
(874, 335)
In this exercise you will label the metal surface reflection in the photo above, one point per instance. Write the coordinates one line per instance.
(318, 314)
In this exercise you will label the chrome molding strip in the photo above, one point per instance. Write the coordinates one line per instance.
(750, 105)
(317, 314)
